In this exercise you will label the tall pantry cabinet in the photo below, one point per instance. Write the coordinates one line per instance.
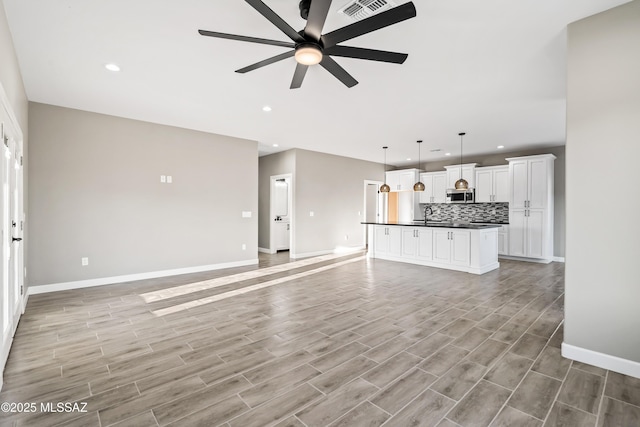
(531, 207)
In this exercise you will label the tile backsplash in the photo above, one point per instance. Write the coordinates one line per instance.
(485, 212)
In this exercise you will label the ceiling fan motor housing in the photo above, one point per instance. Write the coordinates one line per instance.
(304, 6)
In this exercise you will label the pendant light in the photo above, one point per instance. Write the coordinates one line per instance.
(462, 183)
(418, 186)
(384, 188)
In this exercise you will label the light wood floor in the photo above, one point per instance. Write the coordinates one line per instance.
(343, 341)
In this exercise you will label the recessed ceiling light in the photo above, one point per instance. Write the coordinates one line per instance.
(112, 67)
(275, 145)
(447, 154)
(500, 147)
(266, 108)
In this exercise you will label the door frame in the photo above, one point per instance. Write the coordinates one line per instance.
(272, 184)
(12, 270)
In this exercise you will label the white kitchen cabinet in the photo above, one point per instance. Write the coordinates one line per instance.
(388, 240)
(503, 240)
(470, 250)
(527, 237)
(402, 180)
(468, 173)
(492, 184)
(531, 207)
(435, 187)
(417, 243)
(452, 246)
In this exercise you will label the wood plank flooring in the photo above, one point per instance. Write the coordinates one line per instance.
(331, 341)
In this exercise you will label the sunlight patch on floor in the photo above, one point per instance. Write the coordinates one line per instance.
(225, 295)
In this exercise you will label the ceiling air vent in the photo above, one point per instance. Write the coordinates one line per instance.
(360, 9)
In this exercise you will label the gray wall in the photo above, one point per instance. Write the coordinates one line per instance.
(96, 192)
(332, 187)
(273, 164)
(603, 147)
(559, 184)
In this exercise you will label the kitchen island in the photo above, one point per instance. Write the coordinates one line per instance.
(468, 247)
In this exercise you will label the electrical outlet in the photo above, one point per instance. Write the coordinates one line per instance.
(85, 261)
(311, 213)
(244, 247)
(163, 178)
(169, 179)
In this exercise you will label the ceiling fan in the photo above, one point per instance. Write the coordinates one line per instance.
(311, 47)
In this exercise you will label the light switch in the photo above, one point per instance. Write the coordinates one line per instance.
(85, 261)
(311, 213)
(163, 178)
(246, 214)
(169, 179)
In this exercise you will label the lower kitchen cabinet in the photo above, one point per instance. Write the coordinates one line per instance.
(388, 241)
(503, 240)
(527, 233)
(470, 250)
(417, 243)
(452, 246)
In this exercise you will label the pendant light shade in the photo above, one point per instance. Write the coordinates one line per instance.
(418, 186)
(384, 188)
(462, 183)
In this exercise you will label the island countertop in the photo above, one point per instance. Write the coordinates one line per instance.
(439, 224)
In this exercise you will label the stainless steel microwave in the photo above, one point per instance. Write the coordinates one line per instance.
(461, 196)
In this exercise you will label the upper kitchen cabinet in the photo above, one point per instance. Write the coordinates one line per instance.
(531, 207)
(435, 187)
(468, 173)
(531, 181)
(492, 184)
(402, 180)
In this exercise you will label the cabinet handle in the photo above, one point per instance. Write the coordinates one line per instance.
(288, 227)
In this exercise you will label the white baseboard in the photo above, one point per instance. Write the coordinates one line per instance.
(601, 360)
(64, 286)
(339, 250)
(516, 258)
(558, 259)
(266, 250)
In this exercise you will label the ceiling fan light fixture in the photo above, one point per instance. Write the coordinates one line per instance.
(308, 54)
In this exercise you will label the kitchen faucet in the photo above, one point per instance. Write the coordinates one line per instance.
(427, 207)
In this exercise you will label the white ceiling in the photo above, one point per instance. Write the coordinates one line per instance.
(495, 69)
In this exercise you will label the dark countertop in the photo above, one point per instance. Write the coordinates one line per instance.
(442, 224)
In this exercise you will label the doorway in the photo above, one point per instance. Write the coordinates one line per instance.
(281, 210)
(374, 206)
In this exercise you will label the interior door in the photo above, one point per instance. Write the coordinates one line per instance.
(14, 227)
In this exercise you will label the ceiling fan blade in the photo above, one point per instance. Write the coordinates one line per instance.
(266, 62)
(245, 38)
(298, 76)
(317, 15)
(338, 72)
(276, 20)
(370, 54)
(373, 23)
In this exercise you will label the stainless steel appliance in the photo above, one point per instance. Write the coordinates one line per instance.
(461, 196)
